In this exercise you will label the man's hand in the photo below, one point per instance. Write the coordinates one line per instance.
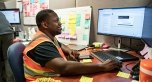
(74, 54)
(109, 65)
(71, 54)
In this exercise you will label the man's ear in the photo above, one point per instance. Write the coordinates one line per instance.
(44, 25)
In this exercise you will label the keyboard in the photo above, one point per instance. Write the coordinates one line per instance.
(103, 56)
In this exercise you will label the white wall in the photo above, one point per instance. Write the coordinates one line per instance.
(10, 3)
(59, 4)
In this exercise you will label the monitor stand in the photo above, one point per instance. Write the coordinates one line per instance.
(121, 53)
(119, 46)
(119, 42)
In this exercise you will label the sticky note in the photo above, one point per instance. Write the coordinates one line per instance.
(72, 21)
(41, 1)
(87, 16)
(31, 1)
(85, 37)
(87, 24)
(78, 19)
(72, 15)
(45, 79)
(86, 61)
(134, 81)
(86, 79)
(123, 74)
(73, 30)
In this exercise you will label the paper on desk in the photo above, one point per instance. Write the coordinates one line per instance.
(123, 74)
(86, 79)
(144, 52)
(46, 79)
(134, 81)
(86, 61)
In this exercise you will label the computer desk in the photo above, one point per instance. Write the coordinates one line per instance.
(103, 77)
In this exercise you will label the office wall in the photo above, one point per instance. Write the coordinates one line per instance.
(96, 4)
(59, 4)
(10, 3)
(2, 5)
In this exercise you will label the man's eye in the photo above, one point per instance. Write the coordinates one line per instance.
(55, 20)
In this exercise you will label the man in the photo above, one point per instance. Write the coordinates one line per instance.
(45, 56)
(6, 39)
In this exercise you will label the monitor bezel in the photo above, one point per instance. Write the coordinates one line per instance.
(115, 35)
(13, 9)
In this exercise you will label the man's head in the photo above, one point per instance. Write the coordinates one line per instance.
(48, 20)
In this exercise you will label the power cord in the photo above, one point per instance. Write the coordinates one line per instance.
(129, 47)
(126, 66)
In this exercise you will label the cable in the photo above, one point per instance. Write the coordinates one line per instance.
(145, 54)
(115, 42)
(130, 40)
(126, 66)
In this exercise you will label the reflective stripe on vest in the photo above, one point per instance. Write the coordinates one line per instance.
(39, 73)
(32, 69)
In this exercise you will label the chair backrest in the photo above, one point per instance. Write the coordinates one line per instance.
(15, 59)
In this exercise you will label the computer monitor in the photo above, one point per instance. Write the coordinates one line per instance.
(12, 15)
(127, 22)
(147, 35)
(147, 31)
(131, 22)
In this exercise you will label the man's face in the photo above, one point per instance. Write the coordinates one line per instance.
(53, 24)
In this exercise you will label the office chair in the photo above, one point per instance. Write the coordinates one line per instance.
(15, 60)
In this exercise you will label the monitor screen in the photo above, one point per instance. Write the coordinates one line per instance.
(12, 15)
(127, 22)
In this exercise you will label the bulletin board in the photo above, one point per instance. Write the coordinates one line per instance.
(31, 8)
(75, 25)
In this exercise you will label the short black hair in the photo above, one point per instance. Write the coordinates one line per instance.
(43, 15)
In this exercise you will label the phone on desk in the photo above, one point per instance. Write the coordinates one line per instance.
(135, 71)
(81, 57)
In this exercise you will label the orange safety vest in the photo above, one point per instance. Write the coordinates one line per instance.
(33, 70)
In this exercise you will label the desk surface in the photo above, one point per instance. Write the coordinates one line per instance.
(102, 77)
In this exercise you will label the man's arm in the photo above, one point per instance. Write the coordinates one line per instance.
(74, 68)
(66, 49)
(69, 52)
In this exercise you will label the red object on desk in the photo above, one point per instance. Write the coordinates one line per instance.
(105, 46)
(146, 70)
